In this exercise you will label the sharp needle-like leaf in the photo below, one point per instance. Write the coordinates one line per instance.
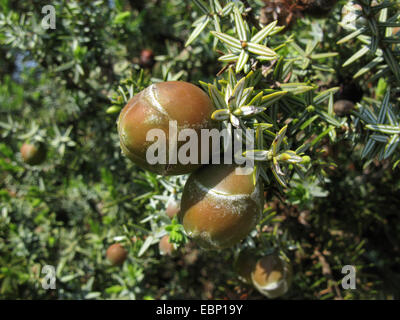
(261, 50)
(356, 56)
(263, 33)
(230, 41)
(243, 58)
(240, 25)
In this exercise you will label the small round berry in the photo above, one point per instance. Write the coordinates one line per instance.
(146, 60)
(166, 248)
(116, 254)
(173, 208)
(272, 276)
(33, 154)
(343, 107)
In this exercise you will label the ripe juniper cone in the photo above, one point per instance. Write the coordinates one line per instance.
(219, 207)
(33, 154)
(116, 254)
(272, 276)
(154, 108)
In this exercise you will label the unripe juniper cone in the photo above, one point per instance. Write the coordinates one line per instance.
(154, 108)
(219, 207)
